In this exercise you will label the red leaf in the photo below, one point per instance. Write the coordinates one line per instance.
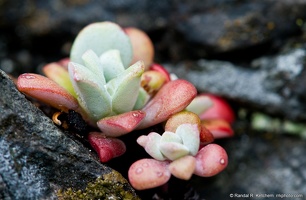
(173, 97)
(118, 125)
(46, 91)
(220, 110)
(107, 148)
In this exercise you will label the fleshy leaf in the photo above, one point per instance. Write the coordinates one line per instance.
(148, 173)
(210, 160)
(142, 46)
(118, 125)
(92, 62)
(142, 99)
(107, 148)
(200, 104)
(173, 97)
(219, 128)
(60, 75)
(173, 150)
(124, 88)
(171, 137)
(206, 136)
(112, 64)
(152, 81)
(183, 168)
(100, 37)
(150, 143)
(161, 69)
(189, 134)
(220, 110)
(47, 91)
(183, 117)
(92, 95)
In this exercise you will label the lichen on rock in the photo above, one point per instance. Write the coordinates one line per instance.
(108, 186)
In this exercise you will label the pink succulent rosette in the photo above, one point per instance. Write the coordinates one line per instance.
(182, 150)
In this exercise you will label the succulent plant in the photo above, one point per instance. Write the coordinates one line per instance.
(216, 114)
(100, 83)
(177, 153)
(170, 145)
(111, 81)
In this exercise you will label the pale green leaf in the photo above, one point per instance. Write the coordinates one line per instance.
(92, 62)
(170, 137)
(92, 95)
(173, 150)
(142, 99)
(124, 88)
(112, 64)
(190, 136)
(101, 37)
(199, 104)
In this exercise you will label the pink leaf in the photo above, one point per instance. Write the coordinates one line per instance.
(183, 167)
(173, 97)
(219, 110)
(183, 117)
(218, 127)
(161, 69)
(151, 143)
(142, 45)
(60, 75)
(46, 91)
(206, 136)
(118, 125)
(148, 173)
(210, 160)
(107, 148)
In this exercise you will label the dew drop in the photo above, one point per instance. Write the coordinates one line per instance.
(222, 161)
(27, 76)
(159, 174)
(145, 165)
(139, 170)
(135, 114)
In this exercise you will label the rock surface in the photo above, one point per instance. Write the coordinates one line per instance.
(274, 84)
(38, 161)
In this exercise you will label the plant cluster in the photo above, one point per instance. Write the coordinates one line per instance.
(111, 80)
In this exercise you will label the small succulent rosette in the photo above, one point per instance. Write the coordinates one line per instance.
(103, 81)
(182, 150)
(111, 81)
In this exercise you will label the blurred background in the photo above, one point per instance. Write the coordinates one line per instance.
(252, 53)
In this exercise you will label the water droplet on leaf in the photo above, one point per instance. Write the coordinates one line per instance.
(29, 76)
(139, 170)
(159, 174)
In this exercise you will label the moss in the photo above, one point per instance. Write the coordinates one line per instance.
(108, 186)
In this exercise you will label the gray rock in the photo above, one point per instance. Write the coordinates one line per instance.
(259, 164)
(228, 25)
(217, 26)
(273, 85)
(39, 161)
